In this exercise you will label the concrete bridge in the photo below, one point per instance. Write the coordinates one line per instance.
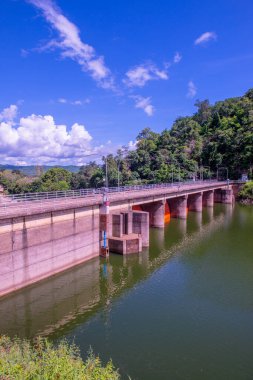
(45, 233)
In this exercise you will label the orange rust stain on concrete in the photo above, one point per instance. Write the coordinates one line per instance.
(136, 208)
(167, 213)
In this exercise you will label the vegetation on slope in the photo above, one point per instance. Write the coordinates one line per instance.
(218, 136)
(21, 360)
(246, 192)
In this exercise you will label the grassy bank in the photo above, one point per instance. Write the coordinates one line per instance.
(21, 360)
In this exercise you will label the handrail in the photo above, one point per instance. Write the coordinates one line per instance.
(26, 204)
(93, 191)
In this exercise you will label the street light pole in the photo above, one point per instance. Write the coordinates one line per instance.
(209, 173)
(106, 173)
(224, 168)
(118, 174)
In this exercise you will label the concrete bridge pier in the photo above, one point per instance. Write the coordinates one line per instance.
(156, 213)
(224, 195)
(141, 226)
(195, 202)
(208, 198)
(178, 207)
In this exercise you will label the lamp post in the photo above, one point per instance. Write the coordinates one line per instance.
(106, 172)
(118, 172)
(207, 167)
(179, 174)
(221, 168)
(106, 165)
(201, 173)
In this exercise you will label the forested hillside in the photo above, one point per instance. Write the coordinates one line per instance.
(218, 136)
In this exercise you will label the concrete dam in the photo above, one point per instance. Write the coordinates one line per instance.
(46, 233)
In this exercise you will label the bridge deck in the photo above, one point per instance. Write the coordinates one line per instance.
(11, 207)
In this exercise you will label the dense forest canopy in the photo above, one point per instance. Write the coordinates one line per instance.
(218, 136)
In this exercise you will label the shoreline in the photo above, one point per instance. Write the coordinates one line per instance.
(246, 201)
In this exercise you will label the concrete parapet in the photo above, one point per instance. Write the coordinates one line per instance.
(178, 207)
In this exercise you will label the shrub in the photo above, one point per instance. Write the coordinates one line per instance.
(21, 360)
(246, 191)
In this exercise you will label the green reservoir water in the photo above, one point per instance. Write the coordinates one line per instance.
(183, 309)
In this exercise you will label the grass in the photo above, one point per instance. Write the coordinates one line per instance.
(22, 360)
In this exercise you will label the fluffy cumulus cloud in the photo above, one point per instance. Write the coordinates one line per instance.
(177, 57)
(9, 113)
(71, 45)
(205, 37)
(38, 139)
(192, 89)
(144, 104)
(140, 75)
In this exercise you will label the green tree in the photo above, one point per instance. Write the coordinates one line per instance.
(55, 179)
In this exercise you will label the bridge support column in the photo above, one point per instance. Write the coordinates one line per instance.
(195, 202)
(141, 226)
(178, 207)
(208, 198)
(117, 225)
(224, 196)
(156, 212)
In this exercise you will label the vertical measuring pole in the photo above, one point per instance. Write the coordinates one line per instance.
(104, 226)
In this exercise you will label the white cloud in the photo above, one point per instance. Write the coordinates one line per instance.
(72, 46)
(9, 113)
(38, 139)
(81, 102)
(144, 104)
(132, 145)
(192, 89)
(205, 37)
(140, 75)
(77, 102)
(177, 57)
(62, 100)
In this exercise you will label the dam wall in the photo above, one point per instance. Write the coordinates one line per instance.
(38, 246)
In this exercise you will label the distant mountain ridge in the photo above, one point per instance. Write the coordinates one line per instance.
(30, 170)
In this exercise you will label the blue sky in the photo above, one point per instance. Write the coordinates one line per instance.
(85, 76)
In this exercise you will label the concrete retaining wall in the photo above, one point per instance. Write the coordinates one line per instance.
(39, 246)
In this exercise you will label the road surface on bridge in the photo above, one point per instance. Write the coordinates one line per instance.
(11, 207)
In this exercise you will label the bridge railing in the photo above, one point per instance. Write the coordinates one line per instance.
(52, 195)
(26, 204)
